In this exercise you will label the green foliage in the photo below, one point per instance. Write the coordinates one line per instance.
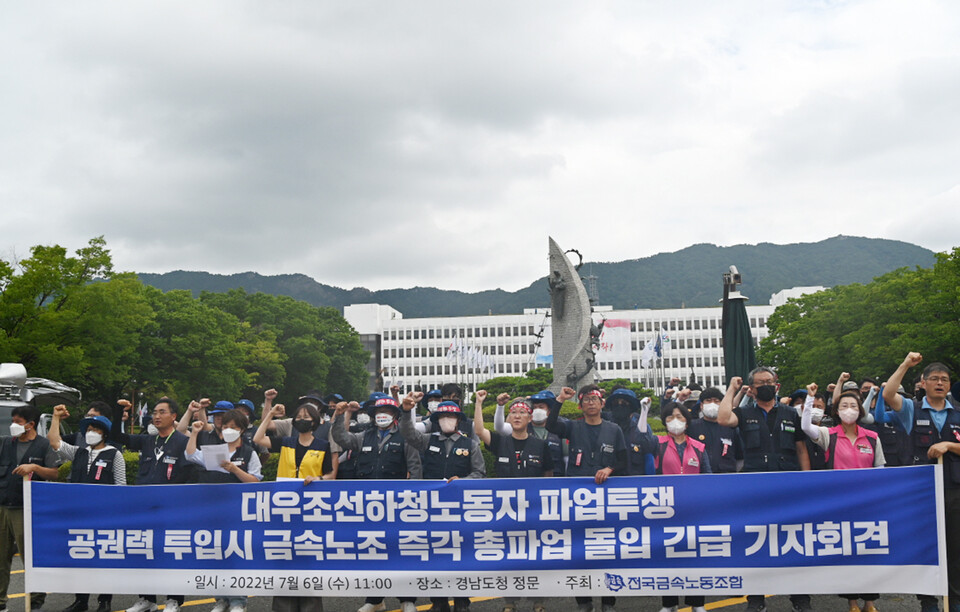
(868, 329)
(312, 348)
(72, 319)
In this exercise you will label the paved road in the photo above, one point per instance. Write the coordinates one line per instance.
(821, 603)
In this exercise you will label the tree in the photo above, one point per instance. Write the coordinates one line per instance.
(70, 318)
(868, 329)
(190, 349)
(316, 348)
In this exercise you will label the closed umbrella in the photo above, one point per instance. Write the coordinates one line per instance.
(738, 354)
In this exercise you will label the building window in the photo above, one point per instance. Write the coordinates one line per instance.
(485, 331)
(508, 331)
(409, 353)
(713, 324)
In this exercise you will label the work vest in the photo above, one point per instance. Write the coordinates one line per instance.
(11, 485)
(637, 460)
(818, 458)
(925, 435)
(162, 460)
(387, 461)
(555, 444)
(437, 464)
(347, 464)
(719, 442)
(240, 458)
(530, 462)
(586, 461)
(864, 455)
(668, 459)
(312, 463)
(895, 443)
(99, 472)
(764, 451)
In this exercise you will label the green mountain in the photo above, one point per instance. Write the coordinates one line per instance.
(689, 277)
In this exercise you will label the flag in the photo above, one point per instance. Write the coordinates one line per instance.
(650, 352)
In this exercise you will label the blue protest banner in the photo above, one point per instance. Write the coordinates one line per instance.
(705, 534)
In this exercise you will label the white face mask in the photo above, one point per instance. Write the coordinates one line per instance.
(152, 429)
(849, 415)
(816, 414)
(363, 418)
(17, 430)
(799, 408)
(230, 435)
(92, 437)
(448, 425)
(383, 420)
(676, 427)
(711, 410)
(432, 406)
(539, 415)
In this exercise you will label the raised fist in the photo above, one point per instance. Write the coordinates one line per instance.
(270, 395)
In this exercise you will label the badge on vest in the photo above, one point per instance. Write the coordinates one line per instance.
(726, 441)
(923, 422)
(434, 449)
(693, 461)
(169, 460)
(865, 449)
(366, 449)
(789, 428)
(606, 448)
(503, 459)
(462, 452)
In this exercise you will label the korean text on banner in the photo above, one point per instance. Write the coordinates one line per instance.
(708, 534)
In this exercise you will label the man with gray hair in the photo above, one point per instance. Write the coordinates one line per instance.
(773, 441)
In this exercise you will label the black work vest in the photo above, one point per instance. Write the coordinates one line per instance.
(764, 451)
(162, 460)
(99, 472)
(555, 445)
(530, 462)
(895, 443)
(586, 461)
(11, 485)
(720, 443)
(240, 458)
(437, 464)
(382, 462)
(636, 458)
(925, 435)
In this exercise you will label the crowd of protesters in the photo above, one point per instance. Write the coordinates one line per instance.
(751, 426)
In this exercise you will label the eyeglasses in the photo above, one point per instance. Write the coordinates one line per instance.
(591, 399)
(936, 379)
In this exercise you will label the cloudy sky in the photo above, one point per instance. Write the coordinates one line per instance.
(392, 144)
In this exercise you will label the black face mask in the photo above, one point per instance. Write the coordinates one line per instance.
(766, 393)
(303, 425)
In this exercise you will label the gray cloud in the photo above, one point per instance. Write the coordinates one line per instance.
(389, 145)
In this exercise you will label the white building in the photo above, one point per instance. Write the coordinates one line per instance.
(423, 352)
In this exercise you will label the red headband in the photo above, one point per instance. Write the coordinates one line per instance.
(593, 392)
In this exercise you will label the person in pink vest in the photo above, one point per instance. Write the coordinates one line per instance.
(847, 446)
(675, 453)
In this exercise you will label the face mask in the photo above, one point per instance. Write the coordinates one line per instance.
(432, 406)
(676, 427)
(539, 415)
(383, 420)
(766, 393)
(363, 418)
(448, 425)
(152, 429)
(17, 430)
(849, 415)
(816, 414)
(303, 425)
(711, 410)
(93, 438)
(230, 435)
